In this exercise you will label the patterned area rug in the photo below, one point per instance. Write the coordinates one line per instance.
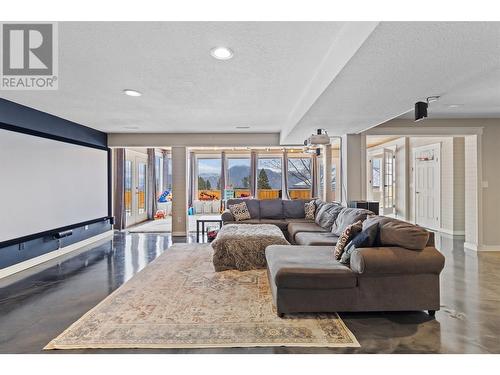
(179, 301)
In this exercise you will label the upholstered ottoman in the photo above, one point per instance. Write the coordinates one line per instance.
(242, 246)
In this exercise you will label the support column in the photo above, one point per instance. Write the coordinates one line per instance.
(353, 167)
(473, 199)
(179, 191)
(327, 173)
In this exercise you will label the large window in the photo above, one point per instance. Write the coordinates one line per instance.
(269, 172)
(299, 177)
(238, 173)
(208, 179)
(128, 188)
(159, 174)
(376, 162)
(168, 177)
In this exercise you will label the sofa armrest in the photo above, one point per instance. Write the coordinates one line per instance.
(227, 216)
(396, 260)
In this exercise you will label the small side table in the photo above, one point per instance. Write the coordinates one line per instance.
(206, 219)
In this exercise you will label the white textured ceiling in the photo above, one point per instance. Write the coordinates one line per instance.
(288, 77)
(185, 89)
(403, 62)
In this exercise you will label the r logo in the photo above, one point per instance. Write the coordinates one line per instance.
(28, 49)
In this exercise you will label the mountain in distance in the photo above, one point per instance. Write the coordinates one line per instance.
(237, 173)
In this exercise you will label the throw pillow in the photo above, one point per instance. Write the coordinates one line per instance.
(348, 216)
(310, 209)
(346, 236)
(365, 238)
(240, 211)
(326, 215)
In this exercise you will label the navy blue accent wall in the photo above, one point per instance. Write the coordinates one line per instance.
(24, 119)
(31, 119)
(14, 254)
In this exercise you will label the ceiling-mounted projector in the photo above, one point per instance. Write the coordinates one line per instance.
(320, 138)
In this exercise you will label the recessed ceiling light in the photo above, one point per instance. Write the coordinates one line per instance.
(454, 105)
(130, 92)
(242, 127)
(131, 127)
(221, 53)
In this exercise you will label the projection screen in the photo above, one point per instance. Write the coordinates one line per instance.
(47, 184)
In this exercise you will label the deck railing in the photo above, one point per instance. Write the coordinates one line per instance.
(261, 194)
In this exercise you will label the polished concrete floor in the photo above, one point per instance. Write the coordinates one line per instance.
(36, 306)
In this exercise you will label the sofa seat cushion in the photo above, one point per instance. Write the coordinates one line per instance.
(282, 224)
(249, 221)
(315, 239)
(294, 228)
(307, 267)
(303, 220)
(396, 260)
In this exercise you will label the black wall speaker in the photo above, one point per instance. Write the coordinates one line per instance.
(420, 110)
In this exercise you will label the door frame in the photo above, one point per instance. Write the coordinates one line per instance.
(437, 148)
(135, 218)
(379, 152)
(389, 211)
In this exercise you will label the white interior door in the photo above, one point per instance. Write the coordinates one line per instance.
(427, 172)
(136, 168)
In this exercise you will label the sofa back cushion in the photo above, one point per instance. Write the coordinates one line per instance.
(294, 209)
(319, 203)
(271, 209)
(347, 217)
(394, 232)
(253, 206)
(327, 214)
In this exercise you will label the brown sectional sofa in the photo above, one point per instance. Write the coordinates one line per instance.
(400, 274)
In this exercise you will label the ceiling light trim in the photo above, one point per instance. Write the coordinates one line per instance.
(222, 53)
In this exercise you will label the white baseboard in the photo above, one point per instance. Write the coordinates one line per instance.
(470, 246)
(8, 271)
(489, 248)
(452, 232)
(480, 248)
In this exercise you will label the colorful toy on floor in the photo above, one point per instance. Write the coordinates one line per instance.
(165, 197)
(160, 214)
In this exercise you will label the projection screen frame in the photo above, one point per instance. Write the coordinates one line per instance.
(52, 232)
